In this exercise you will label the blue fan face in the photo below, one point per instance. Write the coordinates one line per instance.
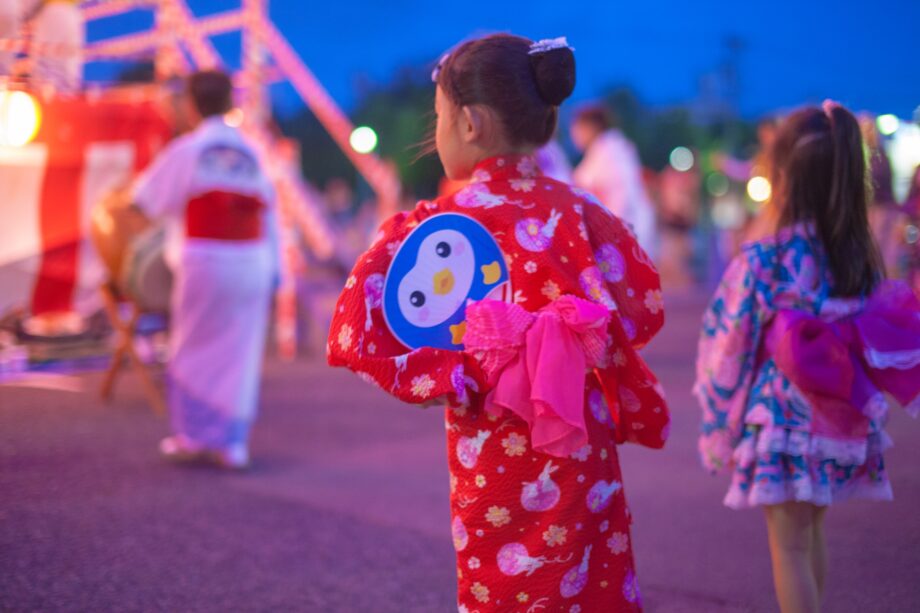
(447, 260)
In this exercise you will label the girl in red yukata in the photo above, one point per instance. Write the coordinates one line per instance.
(520, 302)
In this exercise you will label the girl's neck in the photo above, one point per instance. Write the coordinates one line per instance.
(503, 151)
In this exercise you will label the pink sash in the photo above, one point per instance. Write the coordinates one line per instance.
(845, 367)
(536, 364)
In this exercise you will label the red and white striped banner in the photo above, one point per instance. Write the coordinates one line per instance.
(84, 149)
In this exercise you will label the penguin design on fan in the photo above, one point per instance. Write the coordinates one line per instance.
(446, 261)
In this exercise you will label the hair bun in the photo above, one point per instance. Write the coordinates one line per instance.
(554, 72)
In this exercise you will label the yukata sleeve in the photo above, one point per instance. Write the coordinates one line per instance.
(161, 188)
(726, 361)
(360, 340)
(629, 275)
(638, 406)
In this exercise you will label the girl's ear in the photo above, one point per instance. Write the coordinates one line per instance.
(472, 124)
(480, 126)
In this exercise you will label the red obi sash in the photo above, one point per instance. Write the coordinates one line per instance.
(228, 216)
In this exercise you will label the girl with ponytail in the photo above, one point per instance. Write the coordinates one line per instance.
(520, 303)
(803, 348)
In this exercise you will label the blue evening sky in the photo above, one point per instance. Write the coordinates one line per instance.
(865, 54)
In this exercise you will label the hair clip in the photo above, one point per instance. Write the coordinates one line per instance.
(549, 44)
(829, 106)
(437, 69)
(808, 139)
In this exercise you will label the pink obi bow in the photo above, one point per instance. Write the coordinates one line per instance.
(844, 367)
(536, 364)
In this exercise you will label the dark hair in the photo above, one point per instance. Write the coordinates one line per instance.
(819, 176)
(525, 89)
(211, 91)
(597, 115)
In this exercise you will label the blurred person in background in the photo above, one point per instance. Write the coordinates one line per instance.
(212, 192)
(612, 171)
(912, 232)
(885, 216)
(678, 197)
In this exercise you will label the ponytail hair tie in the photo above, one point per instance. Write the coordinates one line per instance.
(829, 107)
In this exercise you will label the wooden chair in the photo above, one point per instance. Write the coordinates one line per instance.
(126, 331)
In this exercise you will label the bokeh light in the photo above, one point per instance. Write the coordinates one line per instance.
(759, 190)
(728, 214)
(363, 139)
(681, 159)
(887, 124)
(717, 184)
(20, 118)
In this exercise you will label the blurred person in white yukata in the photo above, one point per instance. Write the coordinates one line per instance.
(216, 201)
(611, 171)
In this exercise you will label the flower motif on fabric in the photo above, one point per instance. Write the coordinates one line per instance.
(498, 516)
(528, 168)
(611, 262)
(346, 337)
(522, 185)
(534, 234)
(515, 444)
(582, 454)
(654, 301)
(422, 385)
(530, 267)
(351, 282)
(522, 597)
(480, 481)
(555, 535)
(618, 543)
(474, 563)
(551, 290)
(592, 282)
(480, 592)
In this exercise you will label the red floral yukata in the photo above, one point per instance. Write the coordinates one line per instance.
(533, 532)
